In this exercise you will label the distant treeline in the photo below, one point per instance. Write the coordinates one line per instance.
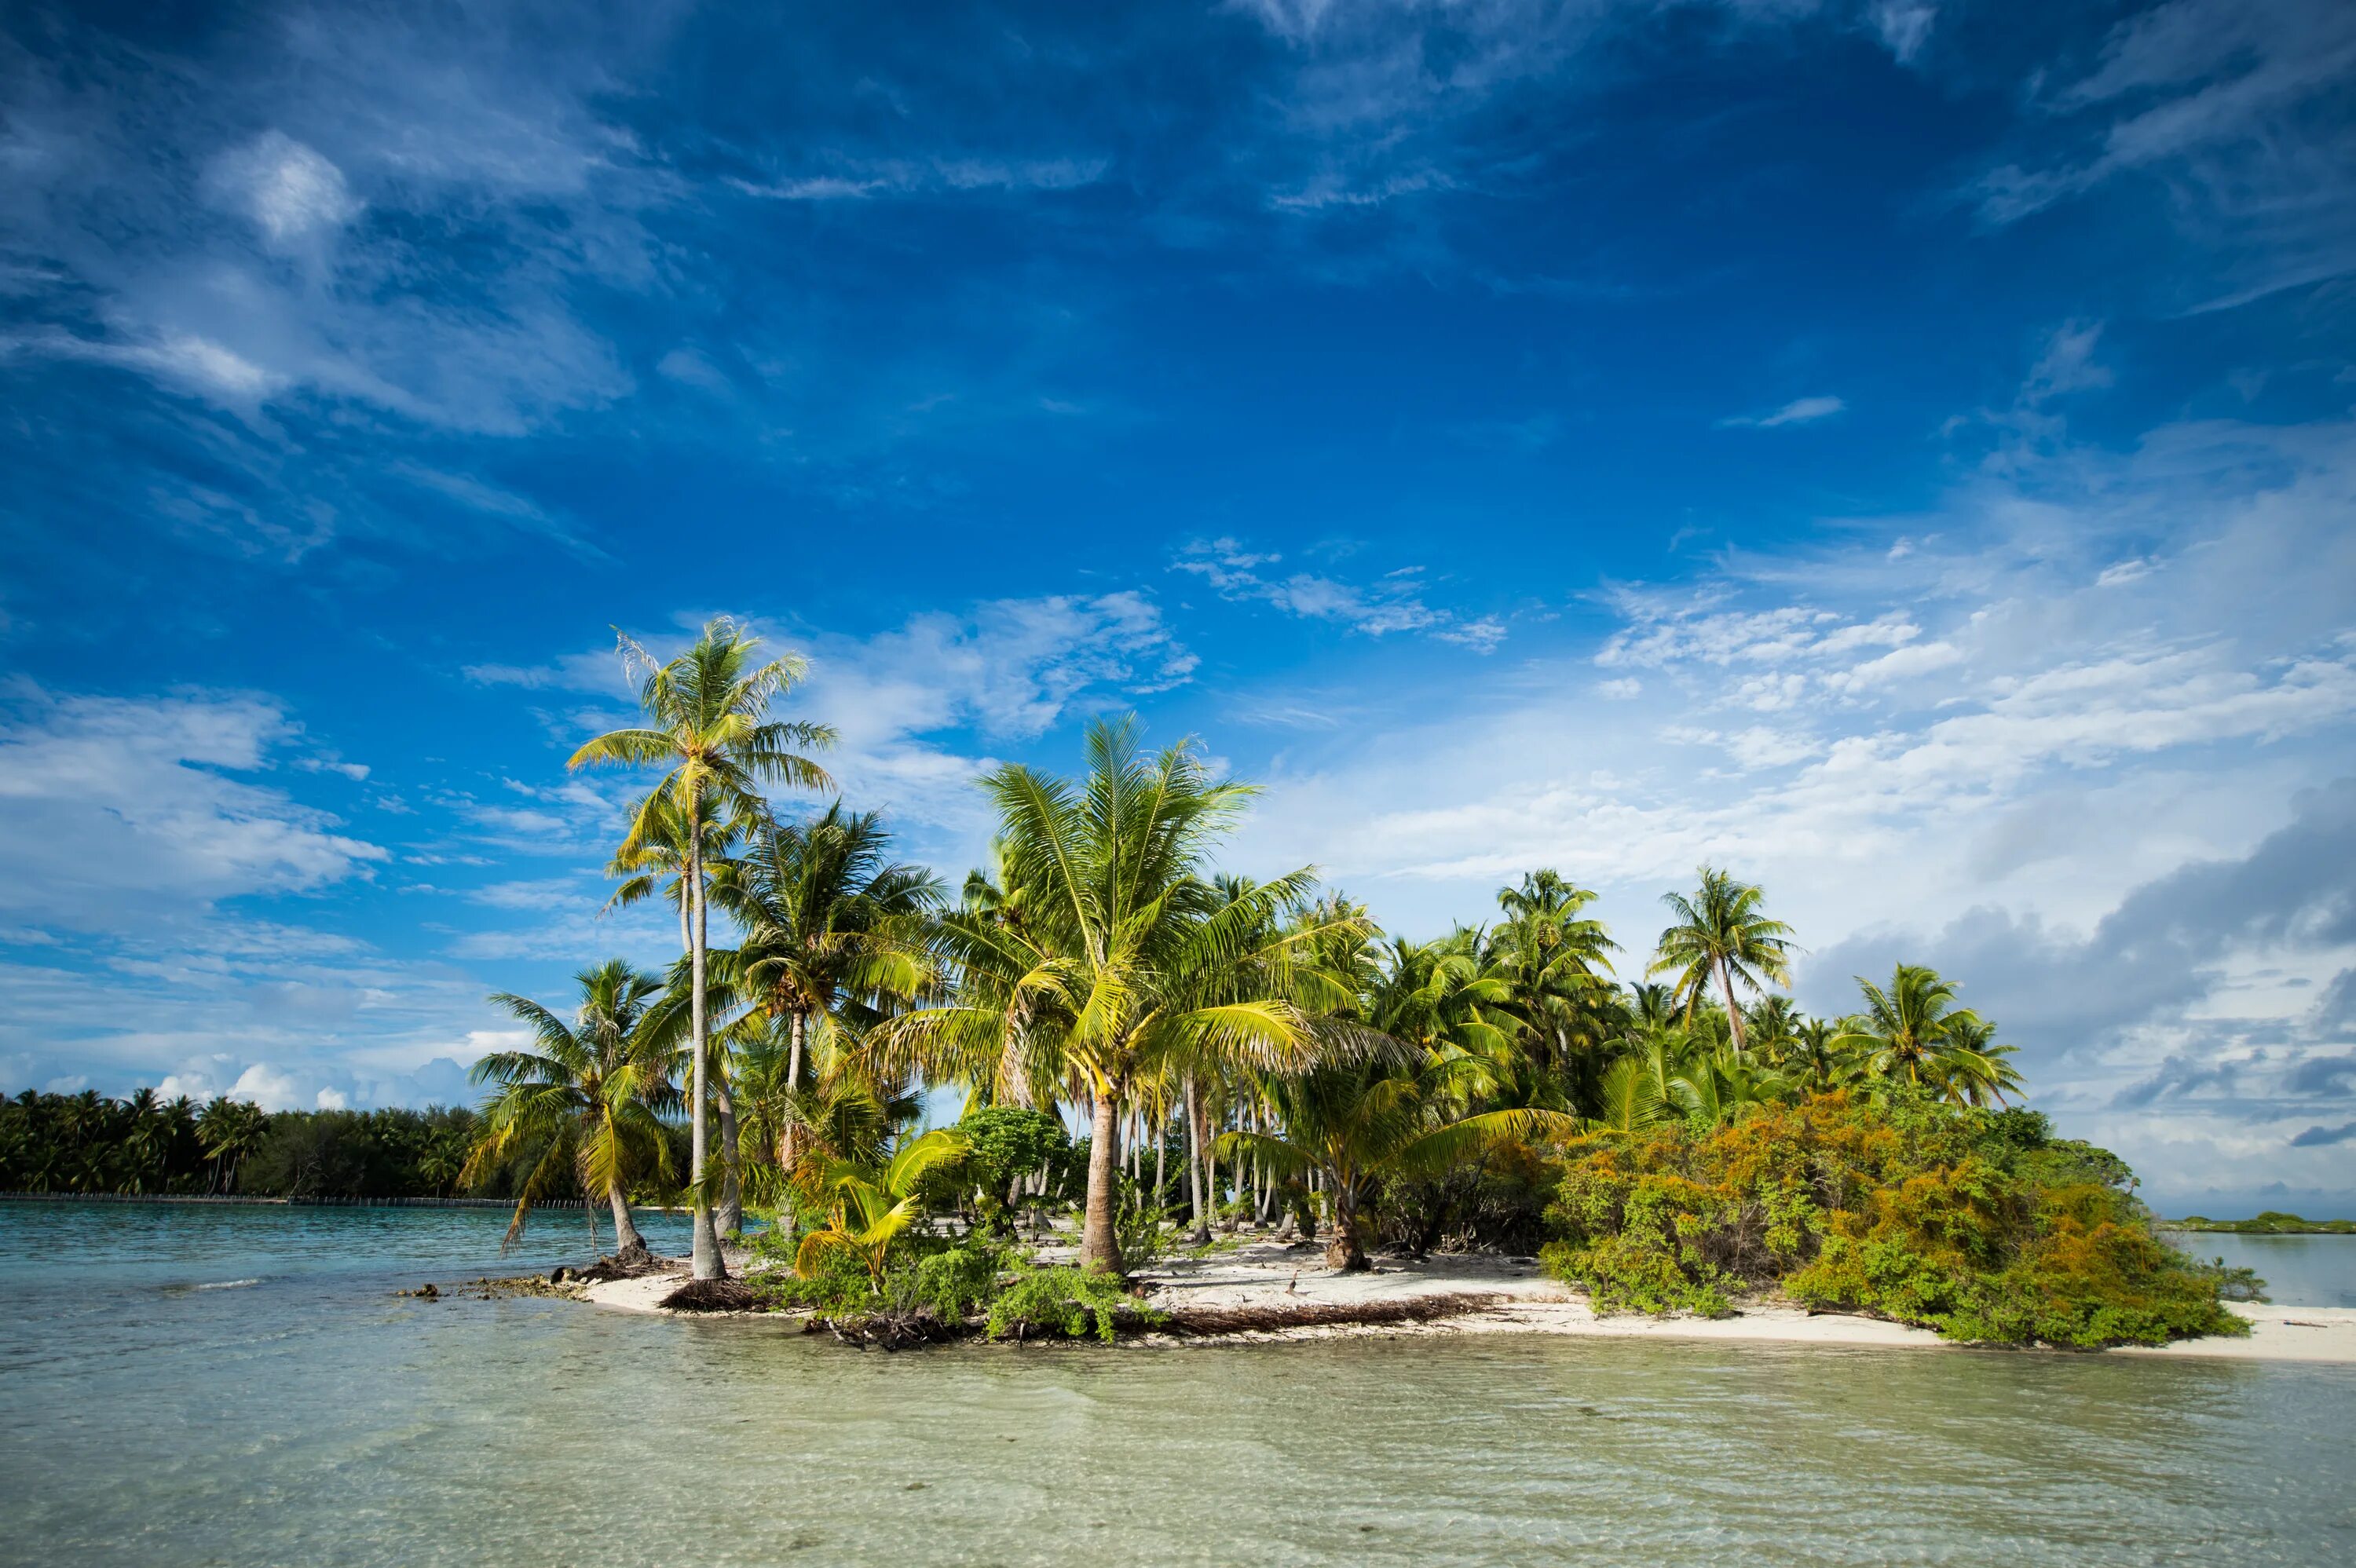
(146, 1144)
(2272, 1222)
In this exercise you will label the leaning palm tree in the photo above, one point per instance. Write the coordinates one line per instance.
(1721, 936)
(1976, 1069)
(589, 1094)
(1127, 959)
(708, 727)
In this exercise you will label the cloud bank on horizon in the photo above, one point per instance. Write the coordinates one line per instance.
(1900, 450)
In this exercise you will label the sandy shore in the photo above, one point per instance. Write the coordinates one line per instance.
(1522, 1300)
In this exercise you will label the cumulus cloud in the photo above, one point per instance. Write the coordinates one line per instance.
(120, 810)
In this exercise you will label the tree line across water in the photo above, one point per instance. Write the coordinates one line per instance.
(1250, 1052)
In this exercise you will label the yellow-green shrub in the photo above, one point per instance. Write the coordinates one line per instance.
(1977, 1224)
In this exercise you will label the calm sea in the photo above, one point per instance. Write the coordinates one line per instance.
(187, 1385)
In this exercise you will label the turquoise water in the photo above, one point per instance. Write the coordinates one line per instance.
(160, 1411)
(2299, 1271)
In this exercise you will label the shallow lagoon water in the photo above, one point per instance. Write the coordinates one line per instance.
(312, 1417)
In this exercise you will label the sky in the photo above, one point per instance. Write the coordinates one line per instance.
(1902, 450)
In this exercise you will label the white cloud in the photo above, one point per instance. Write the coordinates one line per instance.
(115, 812)
(292, 193)
(1799, 411)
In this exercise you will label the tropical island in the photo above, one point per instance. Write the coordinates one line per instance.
(1166, 1071)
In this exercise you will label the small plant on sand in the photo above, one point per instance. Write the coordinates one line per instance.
(1067, 1302)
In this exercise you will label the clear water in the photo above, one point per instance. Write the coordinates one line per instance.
(311, 1417)
(2299, 1271)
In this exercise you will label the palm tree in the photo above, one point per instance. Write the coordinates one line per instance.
(227, 1130)
(833, 931)
(1352, 1122)
(591, 1093)
(1127, 959)
(1912, 1029)
(1553, 960)
(1976, 1070)
(708, 726)
(1721, 935)
(653, 861)
(868, 1207)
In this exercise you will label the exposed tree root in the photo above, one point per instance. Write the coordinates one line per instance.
(715, 1296)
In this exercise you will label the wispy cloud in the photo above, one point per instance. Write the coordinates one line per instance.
(1394, 603)
(1799, 411)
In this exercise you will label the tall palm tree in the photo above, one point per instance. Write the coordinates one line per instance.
(1721, 936)
(832, 930)
(653, 862)
(1127, 958)
(708, 727)
(590, 1092)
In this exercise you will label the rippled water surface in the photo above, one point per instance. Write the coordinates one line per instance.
(297, 1412)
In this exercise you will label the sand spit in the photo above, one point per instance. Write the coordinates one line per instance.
(1257, 1282)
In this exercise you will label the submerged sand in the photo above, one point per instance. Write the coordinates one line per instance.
(1520, 1299)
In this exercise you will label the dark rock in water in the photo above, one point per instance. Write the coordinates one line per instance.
(559, 1275)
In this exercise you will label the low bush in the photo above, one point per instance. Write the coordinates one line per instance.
(1980, 1225)
(1065, 1302)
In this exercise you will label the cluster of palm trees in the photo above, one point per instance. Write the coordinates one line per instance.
(143, 1144)
(1279, 1043)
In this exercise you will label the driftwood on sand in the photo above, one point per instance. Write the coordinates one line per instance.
(1275, 1317)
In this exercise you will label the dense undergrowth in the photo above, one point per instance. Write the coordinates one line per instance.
(934, 1288)
(1978, 1224)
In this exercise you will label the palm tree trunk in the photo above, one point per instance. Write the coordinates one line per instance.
(707, 1263)
(1196, 1148)
(1161, 1163)
(1733, 1013)
(1343, 1254)
(789, 1141)
(1099, 1248)
(630, 1247)
(731, 1218)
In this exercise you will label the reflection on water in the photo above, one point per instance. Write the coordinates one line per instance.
(312, 1417)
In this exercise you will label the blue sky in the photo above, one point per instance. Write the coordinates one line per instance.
(1901, 450)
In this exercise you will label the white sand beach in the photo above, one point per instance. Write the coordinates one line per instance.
(1268, 1276)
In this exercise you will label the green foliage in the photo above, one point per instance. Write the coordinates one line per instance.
(1965, 1222)
(87, 1143)
(1006, 1143)
(958, 1281)
(1067, 1302)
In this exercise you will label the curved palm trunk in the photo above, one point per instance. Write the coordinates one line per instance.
(630, 1247)
(1099, 1248)
(1733, 1013)
(707, 1263)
